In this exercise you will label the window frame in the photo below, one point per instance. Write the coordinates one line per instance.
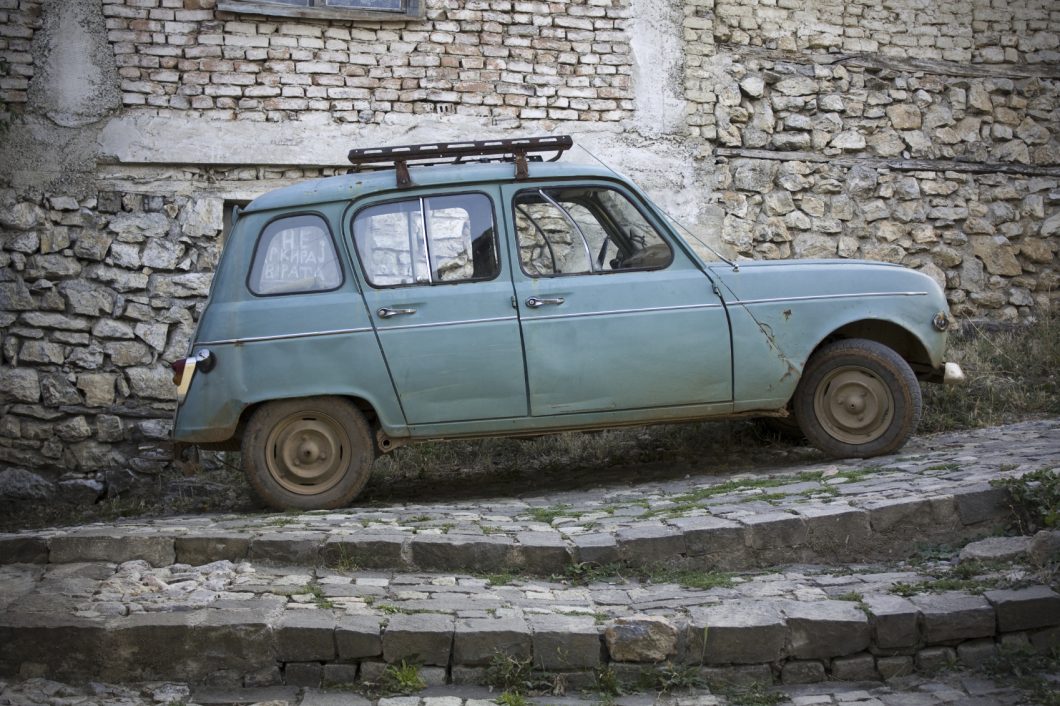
(630, 198)
(423, 198)
(412, 10)
(300, 292)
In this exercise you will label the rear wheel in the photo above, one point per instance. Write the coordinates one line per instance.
(857, 398)
(308, 454)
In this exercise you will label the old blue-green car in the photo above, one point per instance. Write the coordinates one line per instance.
(488, 292)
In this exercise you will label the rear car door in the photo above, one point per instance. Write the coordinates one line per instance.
(614, 316)
(440, 298)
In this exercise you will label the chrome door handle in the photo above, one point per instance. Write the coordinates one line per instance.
(538, 302)
(386, 313)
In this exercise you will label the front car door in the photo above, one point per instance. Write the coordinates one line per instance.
(614, 316)
(440, 298)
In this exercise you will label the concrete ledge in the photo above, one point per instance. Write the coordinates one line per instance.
(791, 641)
(819, 533)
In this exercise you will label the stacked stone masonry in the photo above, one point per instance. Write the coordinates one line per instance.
(909, 131)
(530, 60)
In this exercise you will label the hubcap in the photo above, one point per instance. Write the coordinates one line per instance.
(307, 453)
(854, 405)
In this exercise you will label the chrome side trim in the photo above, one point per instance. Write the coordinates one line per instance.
(440, 324)
(281, 337)
(815, 297)
(623, 311)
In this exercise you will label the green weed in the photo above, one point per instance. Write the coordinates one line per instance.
(403, 678)
(1034, 500)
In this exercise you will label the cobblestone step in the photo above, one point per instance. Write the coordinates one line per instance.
(939, 489)
(247, 626)
(964, 688)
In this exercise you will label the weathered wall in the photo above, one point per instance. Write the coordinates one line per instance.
(907, 131)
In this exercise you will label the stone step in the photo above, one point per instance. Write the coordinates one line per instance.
(938, 490)
(246, 625)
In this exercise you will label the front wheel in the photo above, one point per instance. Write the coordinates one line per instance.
(857, 398)
(307, 454)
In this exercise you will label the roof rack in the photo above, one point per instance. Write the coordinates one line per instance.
(399, 158)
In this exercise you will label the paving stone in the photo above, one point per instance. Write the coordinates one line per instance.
(208, 696)
(564, 642)
(476, 642)
(314, 697)
(741, 632)
(720, 542)
(31, 638)
(802, 672)
(157, 645)
(543, 553)
(286, 548)
(954, 616)
(737, 676)
(894, 621)
(1025, 608)
(339, 675)
(303, 674)
(1045, 640)
(894, 667)
(976, 653)
(23, 549)
(775, 531)
(647, 545)
(358, 636)
(598, 548)
(836, 529)
(932, 659)
(448, 552)
(304, 636)
(423, 638)
(859, 667)
(820, 629)
(265, 676)
(368, 549)
(116, 547)
(199, 549)
(981, 503)
(642, 638)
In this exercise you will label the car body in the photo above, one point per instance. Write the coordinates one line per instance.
(463, 300)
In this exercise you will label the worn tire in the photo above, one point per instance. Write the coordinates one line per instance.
(857, 398)
(307, 454)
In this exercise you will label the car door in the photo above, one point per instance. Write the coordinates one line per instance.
(614, 316)
(440, 298)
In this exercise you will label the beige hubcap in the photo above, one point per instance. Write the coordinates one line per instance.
(308, 453)
(853, 405)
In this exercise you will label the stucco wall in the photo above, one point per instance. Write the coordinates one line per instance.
(908, 131)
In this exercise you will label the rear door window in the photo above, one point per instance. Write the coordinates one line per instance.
(429, 240)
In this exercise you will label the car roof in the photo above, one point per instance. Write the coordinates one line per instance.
(352, 186)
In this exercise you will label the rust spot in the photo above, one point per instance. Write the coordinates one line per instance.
(787, 314)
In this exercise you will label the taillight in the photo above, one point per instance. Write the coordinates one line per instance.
(178, 369)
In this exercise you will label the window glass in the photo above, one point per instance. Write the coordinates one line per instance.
(295, 255)
(433, 240)
(584, 230)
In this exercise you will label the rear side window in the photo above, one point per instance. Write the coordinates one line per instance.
(295, 255)
(431, 240)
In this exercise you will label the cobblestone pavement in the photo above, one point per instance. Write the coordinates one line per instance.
(937, 489)
(954, 688)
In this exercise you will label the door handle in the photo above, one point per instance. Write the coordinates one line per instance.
(387, 313)
(538, 302)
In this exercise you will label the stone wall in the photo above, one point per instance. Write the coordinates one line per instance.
(906, 131)
(564, 60)
(979, 31)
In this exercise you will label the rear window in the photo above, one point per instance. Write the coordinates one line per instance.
(295, 255)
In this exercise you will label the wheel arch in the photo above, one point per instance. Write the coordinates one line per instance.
(235, 440)
(895, 336)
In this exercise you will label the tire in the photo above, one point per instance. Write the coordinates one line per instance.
(308, 454)
(857, 398)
